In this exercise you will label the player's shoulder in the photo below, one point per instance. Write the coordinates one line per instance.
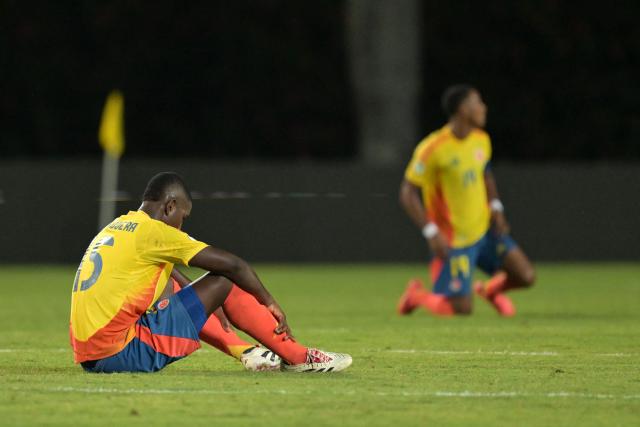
(432, 142)
(480, 134)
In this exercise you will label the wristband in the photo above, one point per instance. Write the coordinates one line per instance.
(496, 205)
(430, 230)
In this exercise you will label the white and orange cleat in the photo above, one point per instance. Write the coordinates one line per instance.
(259, 359)
(320, 361)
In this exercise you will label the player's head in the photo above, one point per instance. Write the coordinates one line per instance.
(464, 102)
(169, 192)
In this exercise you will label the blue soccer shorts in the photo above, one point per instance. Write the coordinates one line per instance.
(164, 334)
(452, 277)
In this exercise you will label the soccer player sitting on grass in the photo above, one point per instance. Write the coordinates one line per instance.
(450, 193)
(122, 320)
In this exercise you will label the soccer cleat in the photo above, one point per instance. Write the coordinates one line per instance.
(406, 304)
(503, 304)
(320, 361)
(495, 284)
(500, 302)
(478, 288)
(260, 359)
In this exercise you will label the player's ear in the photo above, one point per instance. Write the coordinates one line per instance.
(170, 207)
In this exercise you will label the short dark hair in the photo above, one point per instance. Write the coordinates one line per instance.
(160, 183)
(453, 96)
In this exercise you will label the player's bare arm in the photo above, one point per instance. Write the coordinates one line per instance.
(238, 271)
(498, 220)
(411, 202)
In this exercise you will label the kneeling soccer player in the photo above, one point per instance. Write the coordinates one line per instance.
(450, 192)
(121, 321)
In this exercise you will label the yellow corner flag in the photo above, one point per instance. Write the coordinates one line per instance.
(111, 133)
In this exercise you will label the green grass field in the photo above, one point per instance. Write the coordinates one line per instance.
(570, 357)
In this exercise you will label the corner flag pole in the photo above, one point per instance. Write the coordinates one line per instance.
(111, 136)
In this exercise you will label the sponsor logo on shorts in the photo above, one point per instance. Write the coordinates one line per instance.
(455, 285)
(163, 304)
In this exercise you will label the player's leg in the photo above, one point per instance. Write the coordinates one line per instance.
(215, 335)
(253, 318)
(508, 267)
(248, 315)
(415, 295)
(251, 356)
(163, 335)
(519, 270)
(451, 291)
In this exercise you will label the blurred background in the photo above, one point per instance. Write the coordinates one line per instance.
(293, 121)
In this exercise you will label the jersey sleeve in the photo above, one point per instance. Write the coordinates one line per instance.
(421, 168)
(163, 243)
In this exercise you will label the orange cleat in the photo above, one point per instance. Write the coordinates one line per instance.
(502, 303)
(478, 288)
(407, 304)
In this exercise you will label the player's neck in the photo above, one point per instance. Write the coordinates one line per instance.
(460, 128)
(153, 209)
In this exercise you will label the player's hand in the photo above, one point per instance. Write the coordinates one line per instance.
(439, 246)
(283, 326)
(500, 224)
(226, 325)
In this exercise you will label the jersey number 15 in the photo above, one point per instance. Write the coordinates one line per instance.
(96, 260)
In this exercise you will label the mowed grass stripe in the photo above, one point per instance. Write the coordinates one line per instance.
(407, 393)
(569, 357)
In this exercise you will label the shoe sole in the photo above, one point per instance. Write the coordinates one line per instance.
(333, 366)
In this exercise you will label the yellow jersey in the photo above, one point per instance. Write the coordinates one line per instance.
(123, 272)
(450, 172)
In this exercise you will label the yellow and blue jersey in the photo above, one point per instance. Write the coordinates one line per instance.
(450, 172)
(122, 274)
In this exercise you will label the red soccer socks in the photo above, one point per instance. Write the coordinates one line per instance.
(248, 315)
(214, 334)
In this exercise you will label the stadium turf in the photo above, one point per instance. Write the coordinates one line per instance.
(570, 357)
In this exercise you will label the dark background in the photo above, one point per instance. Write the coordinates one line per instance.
(257, 97)
(269, 79)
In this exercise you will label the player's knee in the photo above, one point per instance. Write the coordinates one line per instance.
(463, 306)
(212, 290)
(220, 283)
(528, 277)
(463, 311)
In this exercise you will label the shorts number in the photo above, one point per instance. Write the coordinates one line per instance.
(460, 265)
(96, 259)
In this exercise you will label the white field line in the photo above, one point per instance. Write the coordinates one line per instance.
(359, 393)
(501, 353)
(490, 353)
(615, 354)
(207, 349)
